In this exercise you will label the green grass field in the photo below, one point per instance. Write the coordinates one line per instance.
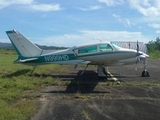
(15, 80)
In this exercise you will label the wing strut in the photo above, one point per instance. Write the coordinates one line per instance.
(84, 70)
(34, 67)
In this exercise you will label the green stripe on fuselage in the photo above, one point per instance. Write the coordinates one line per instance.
(103, 53)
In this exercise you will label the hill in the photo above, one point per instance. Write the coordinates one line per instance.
(10, 46)
(6, 46)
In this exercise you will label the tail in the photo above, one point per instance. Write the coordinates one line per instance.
(24, 47)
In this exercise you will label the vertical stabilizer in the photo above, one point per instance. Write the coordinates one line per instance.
(23, 46)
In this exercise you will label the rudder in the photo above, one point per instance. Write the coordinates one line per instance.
(23, 46)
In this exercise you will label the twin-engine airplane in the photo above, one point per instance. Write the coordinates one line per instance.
(101, 54)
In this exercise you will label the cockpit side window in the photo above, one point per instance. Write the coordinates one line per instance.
(89, 49)
(105, 47)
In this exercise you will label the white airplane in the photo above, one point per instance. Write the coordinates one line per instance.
(101, 54)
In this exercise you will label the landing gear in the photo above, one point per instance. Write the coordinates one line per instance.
(145, 73)
(101, 72)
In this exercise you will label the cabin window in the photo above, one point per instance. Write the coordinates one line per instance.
(89, 49)
(105, 47)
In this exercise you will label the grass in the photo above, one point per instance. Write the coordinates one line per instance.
(15, 80)
(19, 111)
(147, 84)
(155, 54)
(78, 95)
(85, 114)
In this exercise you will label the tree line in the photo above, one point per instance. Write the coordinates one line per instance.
(154, 45)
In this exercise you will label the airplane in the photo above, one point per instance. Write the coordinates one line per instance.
(101, 54)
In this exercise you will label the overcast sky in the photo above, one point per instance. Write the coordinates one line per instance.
(72, 22)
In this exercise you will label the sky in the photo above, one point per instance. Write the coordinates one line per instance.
(73, 22)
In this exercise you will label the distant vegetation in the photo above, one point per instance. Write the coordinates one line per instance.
(154, 48)
(9, 46)
(50, 47)
(6, 46)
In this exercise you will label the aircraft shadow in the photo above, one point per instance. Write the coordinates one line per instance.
(17, 73)
(85, 83)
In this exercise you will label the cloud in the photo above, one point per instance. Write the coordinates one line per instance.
(96, 7)
(6, 3)
(146, 7)
(112, 2)
(92, 36)
(117, 17)
(158, 31)
(45, 7)
(30, 4)
(154, 25)
(126, 22)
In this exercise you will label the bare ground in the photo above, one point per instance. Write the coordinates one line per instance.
(87, 98)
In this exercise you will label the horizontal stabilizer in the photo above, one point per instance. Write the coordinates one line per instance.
(26, 60)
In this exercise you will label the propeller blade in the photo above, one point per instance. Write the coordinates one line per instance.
(138, 59)
(137, 47)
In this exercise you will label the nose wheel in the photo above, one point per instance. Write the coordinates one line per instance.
(145, 73)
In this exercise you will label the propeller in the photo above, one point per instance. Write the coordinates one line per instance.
(142, 56)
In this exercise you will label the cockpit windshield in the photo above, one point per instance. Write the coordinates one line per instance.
(116, 46)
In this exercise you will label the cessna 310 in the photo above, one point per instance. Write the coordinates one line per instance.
(101, 54)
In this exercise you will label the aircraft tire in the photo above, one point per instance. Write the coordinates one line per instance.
(145, 74)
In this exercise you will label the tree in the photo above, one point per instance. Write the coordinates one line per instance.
(157, 43)
(154, 45)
